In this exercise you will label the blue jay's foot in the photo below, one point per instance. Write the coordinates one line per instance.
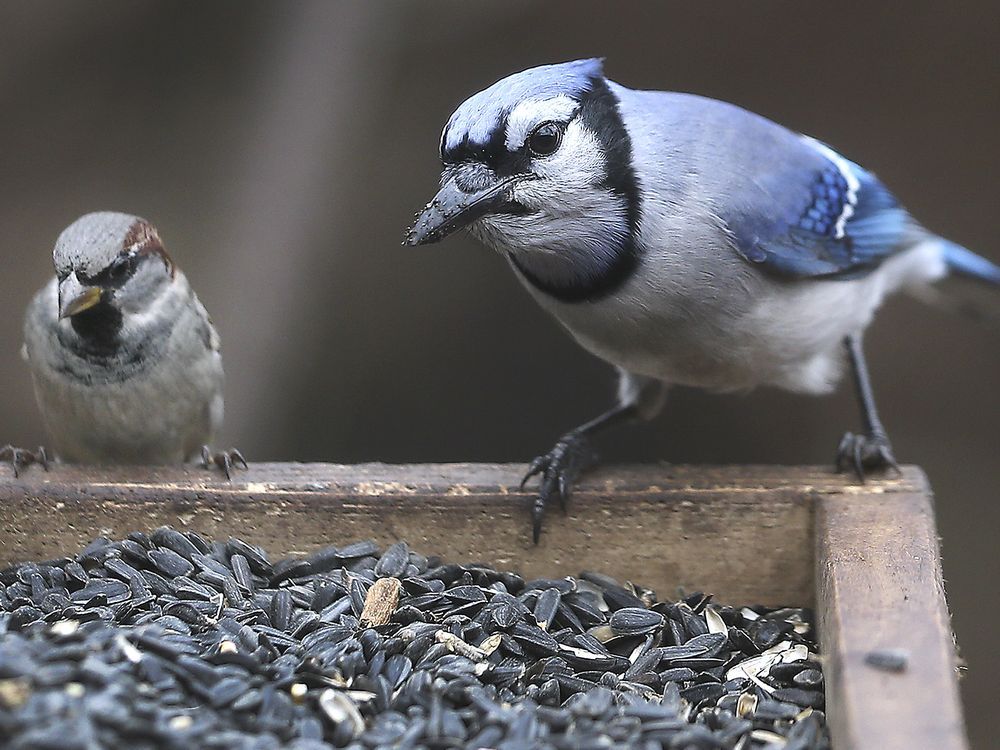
(861, 452)
(225, 460)
(558, 468)
(19, 458)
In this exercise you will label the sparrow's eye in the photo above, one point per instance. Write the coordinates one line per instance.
(119, 267)
(545, 139)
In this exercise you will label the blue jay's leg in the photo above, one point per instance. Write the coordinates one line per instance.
(225, 460)
(569, 457)
(19, 458)
(638, 397)
(871, 450)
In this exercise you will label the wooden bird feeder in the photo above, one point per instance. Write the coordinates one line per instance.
(865, 556)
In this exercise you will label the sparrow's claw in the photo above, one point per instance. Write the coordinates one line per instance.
(19, 458)
(860, 452)
(558, 468)
(225, 460)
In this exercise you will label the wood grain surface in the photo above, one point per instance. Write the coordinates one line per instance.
(879, 588)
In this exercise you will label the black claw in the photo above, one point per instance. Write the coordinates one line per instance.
(864, 452)
(559, 468)
(842, 450)
(859, 461)
(534, 468)
(224, 460)
(537, 513)
(19, 458)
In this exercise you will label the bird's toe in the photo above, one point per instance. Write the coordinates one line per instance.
(20, 458)
(559, 469)
(225, 460)
(863, 453)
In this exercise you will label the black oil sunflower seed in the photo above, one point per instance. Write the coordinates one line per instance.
(119, 642)
(546, 607)
(174, 540)
(169, 563)
(635, 621)
(241, 571)
(393, 562)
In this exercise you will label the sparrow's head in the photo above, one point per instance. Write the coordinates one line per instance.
(109, 259)
(539, 164)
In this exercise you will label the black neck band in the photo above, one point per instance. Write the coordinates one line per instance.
(599, 114)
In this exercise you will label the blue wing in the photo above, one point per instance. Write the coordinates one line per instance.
(842, 224)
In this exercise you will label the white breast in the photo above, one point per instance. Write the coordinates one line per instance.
(710, 320)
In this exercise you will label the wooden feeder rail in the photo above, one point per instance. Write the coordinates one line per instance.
(865, 556)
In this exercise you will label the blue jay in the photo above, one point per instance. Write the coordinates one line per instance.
(684, 240)
(125, 360)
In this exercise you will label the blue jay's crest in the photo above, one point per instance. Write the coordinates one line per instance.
(478, 128)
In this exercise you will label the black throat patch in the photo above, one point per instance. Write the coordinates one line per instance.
(599, 114)
(101, 354)
(97, 332)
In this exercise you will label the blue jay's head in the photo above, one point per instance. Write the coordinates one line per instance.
(539, 164)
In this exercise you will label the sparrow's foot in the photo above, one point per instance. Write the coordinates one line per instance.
(225, 460)
(863, 452)
(558, 468)
(20, 458)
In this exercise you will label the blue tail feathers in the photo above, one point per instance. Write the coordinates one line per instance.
(967, 263)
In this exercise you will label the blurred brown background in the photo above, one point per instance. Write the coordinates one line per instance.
(281, 148)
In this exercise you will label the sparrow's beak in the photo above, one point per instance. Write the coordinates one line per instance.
(74, 297)
(453, 208)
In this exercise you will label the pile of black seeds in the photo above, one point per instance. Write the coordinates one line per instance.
(168, 640)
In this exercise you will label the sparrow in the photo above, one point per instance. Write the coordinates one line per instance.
(124, 359)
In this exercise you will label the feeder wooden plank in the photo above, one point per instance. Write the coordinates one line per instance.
(865, 555)
(744, 534)
(879, 586)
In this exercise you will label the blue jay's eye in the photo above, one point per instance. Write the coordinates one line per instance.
(545, 139)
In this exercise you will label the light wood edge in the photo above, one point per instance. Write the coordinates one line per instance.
(467, 478)
(879, 585)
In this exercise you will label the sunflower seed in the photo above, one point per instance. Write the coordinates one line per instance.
(112, 591)
(169, 563)
(341, 711)
(809, 679)
(358, 550)
(131, 633)
(175, 541)
(393, 562)
(888, 659)
(284, 570)
(546, 607)
(635, 621)
(800, 697)
(241, 571)
(255, 556)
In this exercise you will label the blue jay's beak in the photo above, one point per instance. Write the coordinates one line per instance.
(453, 208)
(74, 297)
